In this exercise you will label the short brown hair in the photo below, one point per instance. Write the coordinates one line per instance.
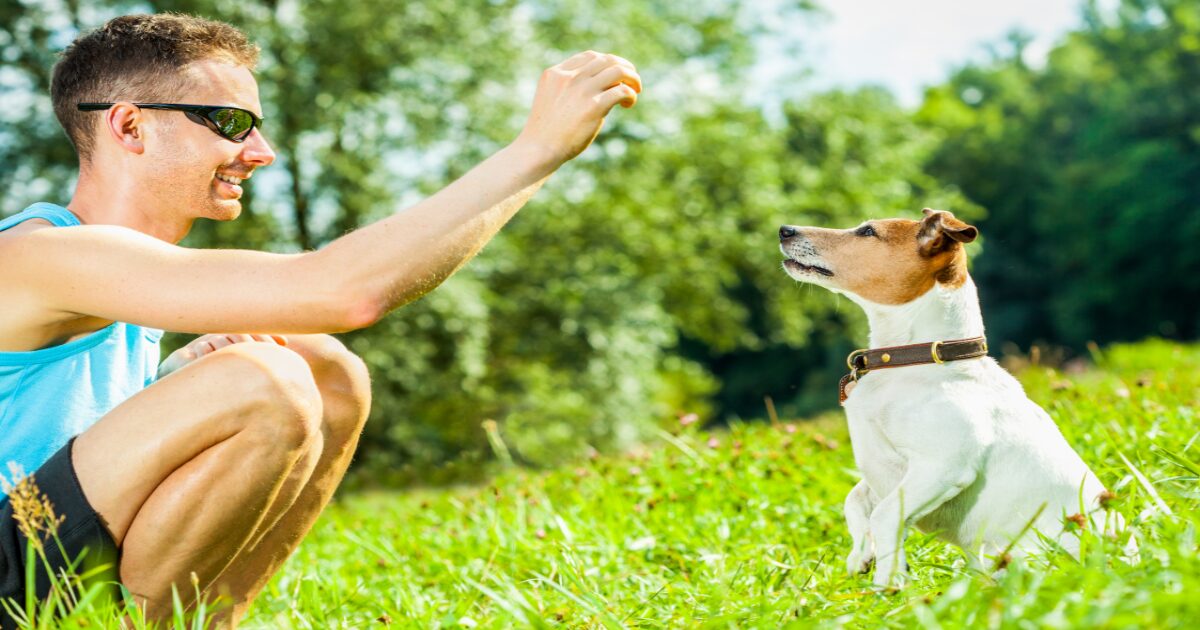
(137, 58)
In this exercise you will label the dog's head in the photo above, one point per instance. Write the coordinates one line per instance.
(886, 261)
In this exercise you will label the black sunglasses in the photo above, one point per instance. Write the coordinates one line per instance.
(231, 123)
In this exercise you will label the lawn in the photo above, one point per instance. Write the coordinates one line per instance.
(742, 527)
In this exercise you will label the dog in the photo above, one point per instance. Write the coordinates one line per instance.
(947, 441)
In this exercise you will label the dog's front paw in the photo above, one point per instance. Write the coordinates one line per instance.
(890, 574)
(860, 560)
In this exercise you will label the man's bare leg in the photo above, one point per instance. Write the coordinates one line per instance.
(346, 395)
(183, 472)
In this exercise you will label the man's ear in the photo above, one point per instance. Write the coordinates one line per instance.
(940, 231)
(123, 123)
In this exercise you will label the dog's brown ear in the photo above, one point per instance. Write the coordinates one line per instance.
(940, 231)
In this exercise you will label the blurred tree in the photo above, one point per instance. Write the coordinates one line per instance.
(1090, 170)
(647, 266)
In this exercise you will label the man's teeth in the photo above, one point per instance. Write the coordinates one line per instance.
(229, 179)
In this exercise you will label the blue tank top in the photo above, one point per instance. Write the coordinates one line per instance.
(50, 395)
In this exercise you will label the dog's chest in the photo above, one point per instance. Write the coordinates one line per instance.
(881, 466)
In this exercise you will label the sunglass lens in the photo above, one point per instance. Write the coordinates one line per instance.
(234, 124)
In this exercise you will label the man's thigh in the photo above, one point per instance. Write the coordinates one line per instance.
(130, 451)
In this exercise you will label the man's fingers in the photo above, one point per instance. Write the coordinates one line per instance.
(213, 342)
(203, 344)
(620, 93)
(600, 63)
(618, 61)
(609, 71)
(595, 66)
(220, 341)
(618, 74)
(207, 344)
(579, 60)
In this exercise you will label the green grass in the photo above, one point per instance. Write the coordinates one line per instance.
(743, 528)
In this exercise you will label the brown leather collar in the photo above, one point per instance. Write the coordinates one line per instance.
(863, 361)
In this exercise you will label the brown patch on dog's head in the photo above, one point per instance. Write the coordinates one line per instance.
(887, 261)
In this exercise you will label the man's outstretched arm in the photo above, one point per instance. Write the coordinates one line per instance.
(119, 274)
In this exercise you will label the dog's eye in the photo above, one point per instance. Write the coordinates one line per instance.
(865, 230)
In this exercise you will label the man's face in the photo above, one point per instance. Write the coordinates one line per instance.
(186, 158)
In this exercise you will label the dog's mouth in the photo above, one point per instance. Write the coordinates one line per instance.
(795, 265)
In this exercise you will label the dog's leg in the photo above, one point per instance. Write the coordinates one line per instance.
(859, 504)
(924, 488)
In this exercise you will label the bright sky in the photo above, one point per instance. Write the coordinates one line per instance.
(908, 44)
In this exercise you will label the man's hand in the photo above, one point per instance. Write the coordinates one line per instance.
(572, 100)
(206, 344)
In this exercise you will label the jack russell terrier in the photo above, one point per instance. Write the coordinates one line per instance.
(948, 441)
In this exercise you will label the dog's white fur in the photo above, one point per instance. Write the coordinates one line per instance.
(954, 448)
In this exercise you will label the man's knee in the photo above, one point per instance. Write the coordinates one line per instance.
(330, 358)
(341, 375)
(279, 392)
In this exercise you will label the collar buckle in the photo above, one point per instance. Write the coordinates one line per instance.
(853, 363)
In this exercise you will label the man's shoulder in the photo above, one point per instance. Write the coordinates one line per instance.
(15, 292)
(24, 227)
(11, 240)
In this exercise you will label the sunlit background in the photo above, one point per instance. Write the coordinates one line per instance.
(643, 283)
(908, 46)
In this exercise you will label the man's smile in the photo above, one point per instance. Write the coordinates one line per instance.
(229, 186)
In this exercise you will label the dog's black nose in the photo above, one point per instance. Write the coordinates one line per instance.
(786, 231)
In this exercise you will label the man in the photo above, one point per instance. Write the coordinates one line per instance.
(220, 467)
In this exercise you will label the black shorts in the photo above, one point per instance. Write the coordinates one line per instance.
(84, 538)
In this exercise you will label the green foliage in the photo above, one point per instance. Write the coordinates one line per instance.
(1090, 171)
(645, 266)
(643, 282)
(744, 528)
